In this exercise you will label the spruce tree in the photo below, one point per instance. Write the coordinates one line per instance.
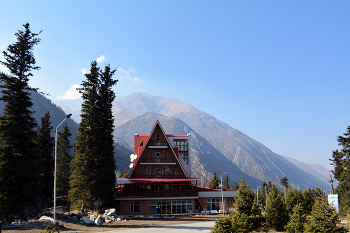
(275, 210)
(225, 183)
(214, 182)
(341, 162)
(93, 167)
(235, 185)
(323, 217)
(297, 220)
(18, 158)
(45, 145)
(308, 201)
(245, 198)
(64, 159)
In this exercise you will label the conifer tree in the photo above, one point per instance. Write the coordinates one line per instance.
(64, 159)
(275, 210)
(18, 160)
(308, 201)
(323, 217)
(235, 185)
(297, 220)
(225, 183)
(214, 182)
(245, 199)
(45, 145)
(284, 182)
(93, 167)
(341, 162)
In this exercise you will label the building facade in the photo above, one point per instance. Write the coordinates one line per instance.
(159, 181)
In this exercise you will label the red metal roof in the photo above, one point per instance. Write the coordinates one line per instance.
(151, 180)
(210, 190)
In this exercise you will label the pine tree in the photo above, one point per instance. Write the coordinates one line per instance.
(93, 167)
(341, 162)
(275, 210)
(64, 159)
(125, 173)
(45, 145)
(323, 217)
(308, 201)
(245, 198)
(214, 182)
(297, 220)
(225, 183)
(284, 182)
(18, 173)
(235, 185)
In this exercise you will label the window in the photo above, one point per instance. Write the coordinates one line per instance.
(149, 187)
(177, 186)
(182, 145)
(166, 171)
(171, 207)
(141, 143)
(173, 170)
(135, 207)
(167, 188)
(214, 204)
(164, 154)
(158, 139)
(150, 154)
(157, 154)
(150, 170)
(142, 170)
(158, 171)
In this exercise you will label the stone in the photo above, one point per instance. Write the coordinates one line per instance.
(88, 221)
(98, 221)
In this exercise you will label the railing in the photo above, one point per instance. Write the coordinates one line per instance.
(170, 176)
(155, 194)
(158, 160)
(157, 144)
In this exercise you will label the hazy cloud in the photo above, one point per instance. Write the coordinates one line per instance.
(83, 70)
(125, 74)
(71, 93)
(102, 58)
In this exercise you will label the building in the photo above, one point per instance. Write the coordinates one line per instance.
(160, 182)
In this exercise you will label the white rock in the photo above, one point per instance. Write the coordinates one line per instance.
(98, 221)
(44, 218)
(119, 219)
(88, 221)
(92, 217)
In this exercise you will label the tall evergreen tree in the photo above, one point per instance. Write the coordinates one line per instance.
(214, 183)
(284, 182)
(245, 198)
(341, 162)
(18, 173)
(93, 166)
(64, 159)
(225, 183)
(45, 144)
(275, 210)
(235, 185)
(297, 220)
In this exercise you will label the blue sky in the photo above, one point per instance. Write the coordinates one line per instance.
(276, 70)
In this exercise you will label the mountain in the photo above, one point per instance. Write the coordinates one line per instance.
(205, 158)
(250, 156)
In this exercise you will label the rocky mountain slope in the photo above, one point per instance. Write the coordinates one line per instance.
(250, 156)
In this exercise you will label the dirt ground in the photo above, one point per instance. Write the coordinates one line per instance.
(70, 226)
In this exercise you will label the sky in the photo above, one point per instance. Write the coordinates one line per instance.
(278, 71)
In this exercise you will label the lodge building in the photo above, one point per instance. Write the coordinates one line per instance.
(159, 181)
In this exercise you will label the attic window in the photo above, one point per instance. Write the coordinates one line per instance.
(141, 143)
(164, 154)
(158, 139)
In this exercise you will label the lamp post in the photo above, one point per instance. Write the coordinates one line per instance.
(54, 185)
(222, 194)
(257, 194)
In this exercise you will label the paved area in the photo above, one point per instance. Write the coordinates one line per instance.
(198, 227)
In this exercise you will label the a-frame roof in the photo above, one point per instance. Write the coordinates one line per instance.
(169, 144)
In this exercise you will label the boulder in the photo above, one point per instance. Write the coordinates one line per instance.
(98, 220)
(88, 221)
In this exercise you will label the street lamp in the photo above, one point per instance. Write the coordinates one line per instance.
(54, 185)
(257, 194)
(222, 194)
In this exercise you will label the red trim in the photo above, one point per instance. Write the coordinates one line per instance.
(176, 135)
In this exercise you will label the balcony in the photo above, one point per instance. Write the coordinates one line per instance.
(158, 160)
(157, 176)
(156, 194)
(157, 145)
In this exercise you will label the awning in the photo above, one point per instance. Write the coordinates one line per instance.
(151, 180)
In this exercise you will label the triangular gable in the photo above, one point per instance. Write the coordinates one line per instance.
(146, 144)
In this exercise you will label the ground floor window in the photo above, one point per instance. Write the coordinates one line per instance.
(171, 207)
(214, 204)
(135, 207)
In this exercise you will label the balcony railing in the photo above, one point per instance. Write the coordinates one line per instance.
(155, 194)
(158, 160)
(157, 144)
(158, 176)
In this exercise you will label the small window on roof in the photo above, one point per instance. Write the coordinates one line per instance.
(158, 139)
(141, 143)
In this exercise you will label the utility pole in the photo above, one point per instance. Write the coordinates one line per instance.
(331, 181)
